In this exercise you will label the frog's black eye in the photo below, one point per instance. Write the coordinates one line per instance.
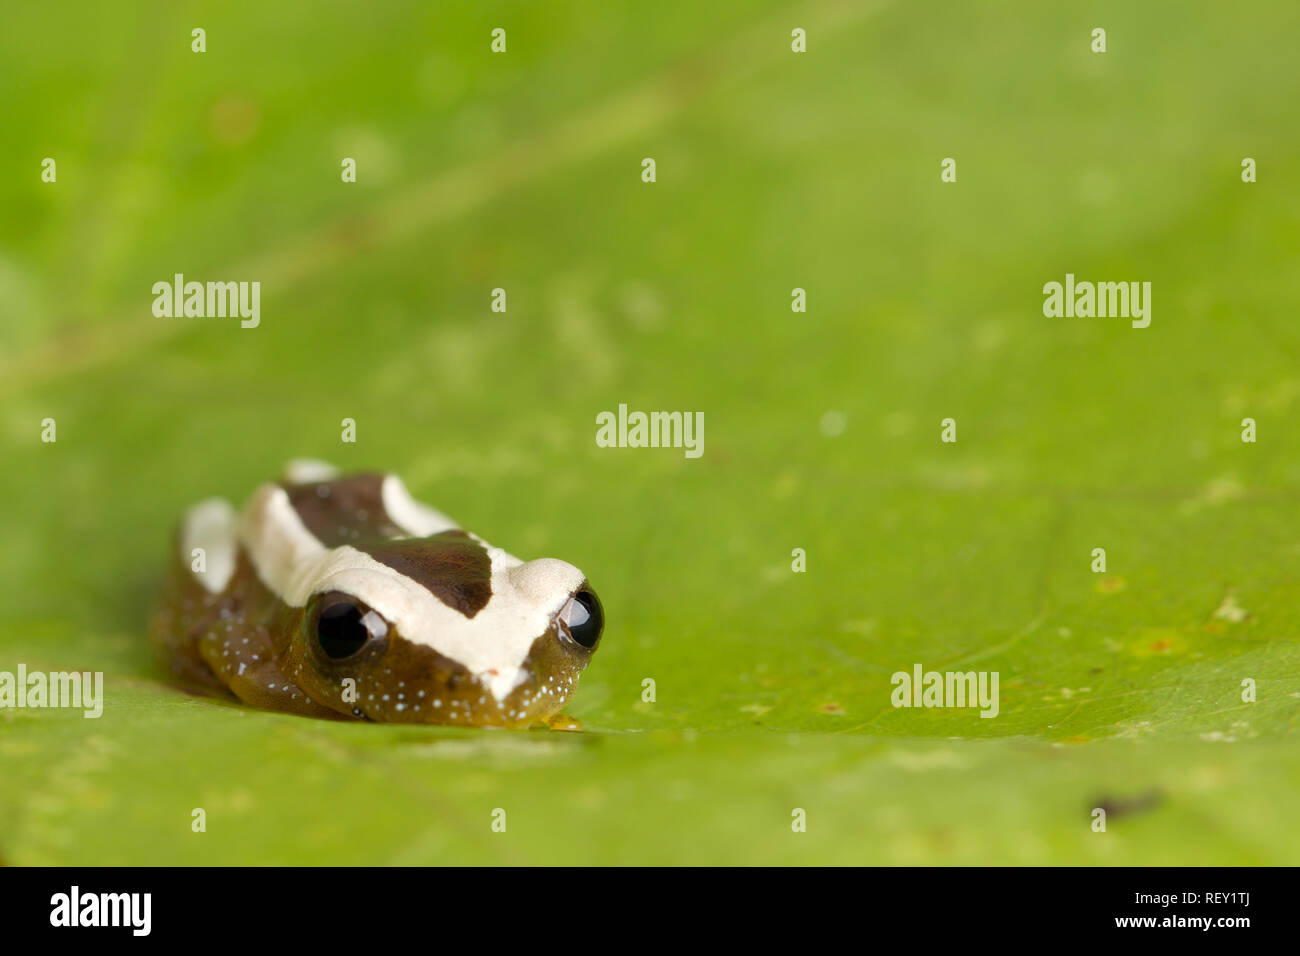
(344, 625)
(586, 618)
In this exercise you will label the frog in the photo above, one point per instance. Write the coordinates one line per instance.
(341, 596)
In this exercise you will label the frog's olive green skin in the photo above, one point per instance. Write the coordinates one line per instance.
(451, 630)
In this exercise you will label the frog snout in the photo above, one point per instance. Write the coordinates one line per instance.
(546, 581)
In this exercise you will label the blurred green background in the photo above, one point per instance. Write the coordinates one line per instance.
(775, 171)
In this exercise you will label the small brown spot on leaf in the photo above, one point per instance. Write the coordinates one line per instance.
(1119, 807)
(234, 121)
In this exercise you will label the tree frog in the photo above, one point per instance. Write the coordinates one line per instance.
(342, 596)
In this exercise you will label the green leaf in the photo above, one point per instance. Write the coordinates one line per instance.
(776, 170)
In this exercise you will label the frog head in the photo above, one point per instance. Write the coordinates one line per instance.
(437, 627)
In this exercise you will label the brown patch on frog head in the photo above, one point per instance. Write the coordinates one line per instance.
(345, 510)
(452, 566)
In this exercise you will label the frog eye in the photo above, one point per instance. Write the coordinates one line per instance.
(584, 618)
(344, 625)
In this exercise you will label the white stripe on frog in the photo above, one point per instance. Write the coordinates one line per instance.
(493, 645)
(210, 525)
